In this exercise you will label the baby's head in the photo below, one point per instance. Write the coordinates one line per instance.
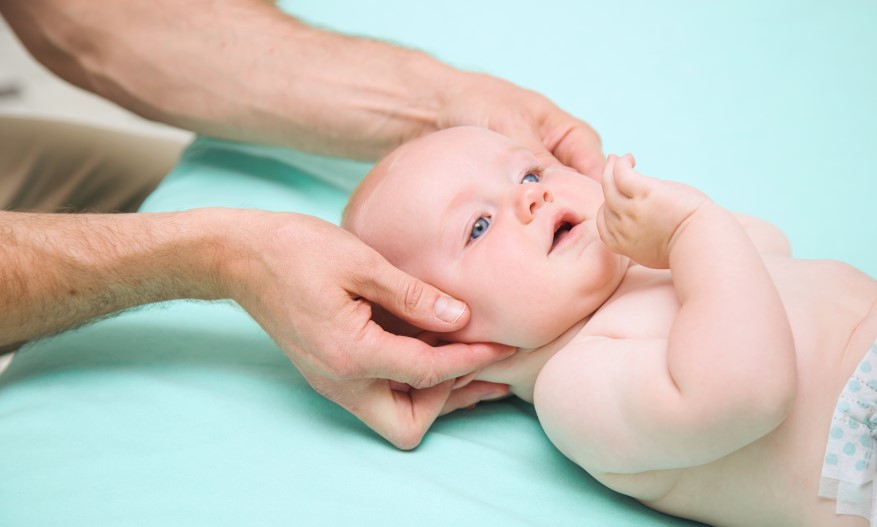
(474, 214)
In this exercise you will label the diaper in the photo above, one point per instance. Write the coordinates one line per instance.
(849, 468)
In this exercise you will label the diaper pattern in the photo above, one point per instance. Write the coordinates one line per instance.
(849, 465)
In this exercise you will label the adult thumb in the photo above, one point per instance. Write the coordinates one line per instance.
(413, 300)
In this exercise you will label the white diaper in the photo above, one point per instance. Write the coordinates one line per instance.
(849, 468)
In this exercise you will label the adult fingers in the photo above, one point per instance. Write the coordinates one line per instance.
(525, 135)
(404, 417)
(580, 148)
(410, 299)
(556, 136)
(400, 417)
(472, 394)
(408, 360)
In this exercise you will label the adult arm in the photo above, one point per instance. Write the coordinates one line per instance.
(289, 271)
(243, 70)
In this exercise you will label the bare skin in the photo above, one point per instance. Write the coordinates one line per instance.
(246, 71)
(705, 394)
(62, 270)
(773, 480)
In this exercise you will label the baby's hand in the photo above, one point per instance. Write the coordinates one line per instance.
(641, 215)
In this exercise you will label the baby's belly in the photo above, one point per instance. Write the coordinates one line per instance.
(774, 481)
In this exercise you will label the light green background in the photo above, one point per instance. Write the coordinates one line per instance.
(187, 414)
(770, 107)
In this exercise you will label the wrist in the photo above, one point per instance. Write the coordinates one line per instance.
(236, 244)
(158, 256)
(215, 250)
(704, 215)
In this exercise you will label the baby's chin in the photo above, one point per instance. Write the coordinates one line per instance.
(518, 335)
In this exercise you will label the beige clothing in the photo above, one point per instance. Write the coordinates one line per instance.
(53, 166)
(49, 166)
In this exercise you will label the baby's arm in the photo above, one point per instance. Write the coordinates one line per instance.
(725, 376)
(767, 237)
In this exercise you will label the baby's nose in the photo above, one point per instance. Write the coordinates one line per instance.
(531, 196)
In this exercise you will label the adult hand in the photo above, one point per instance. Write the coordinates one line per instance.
(311, 286)
(375, 97)
(525, 116)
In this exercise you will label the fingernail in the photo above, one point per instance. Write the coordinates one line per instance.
(449, 310)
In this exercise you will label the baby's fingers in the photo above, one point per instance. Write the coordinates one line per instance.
(602, 229)
(625, 178)
(611, 194)
(619, 178)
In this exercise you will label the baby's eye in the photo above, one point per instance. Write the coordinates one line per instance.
(531, 177)
(479, 228)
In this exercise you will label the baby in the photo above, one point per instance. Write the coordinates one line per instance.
(674, 350)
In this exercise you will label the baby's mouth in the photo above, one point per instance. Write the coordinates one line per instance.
(560, 232)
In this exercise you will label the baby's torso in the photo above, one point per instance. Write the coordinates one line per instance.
(772, 481)
(831, 311)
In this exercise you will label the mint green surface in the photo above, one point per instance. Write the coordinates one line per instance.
(187, 414)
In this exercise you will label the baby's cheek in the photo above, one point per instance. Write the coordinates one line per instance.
(473, 332)
(493, 322)
(530, 326)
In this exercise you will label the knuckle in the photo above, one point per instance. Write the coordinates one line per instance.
(410, 443)
(344, 351)
(342, 365)
(363, 266)
(414, 292)
(426, 380)
(323, 388)
(408, 438)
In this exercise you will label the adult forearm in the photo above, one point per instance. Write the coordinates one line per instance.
(238, 69)
(58, 271)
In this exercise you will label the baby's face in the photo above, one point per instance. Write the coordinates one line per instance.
(474, 214)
